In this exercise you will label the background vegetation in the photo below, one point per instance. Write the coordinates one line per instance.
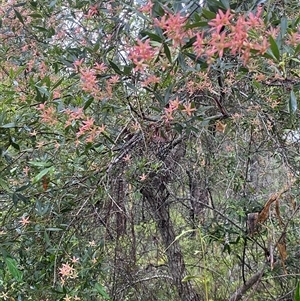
(149, 150)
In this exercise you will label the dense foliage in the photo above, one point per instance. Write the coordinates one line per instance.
(149, 150)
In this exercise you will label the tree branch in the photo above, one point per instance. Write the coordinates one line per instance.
(243, 289)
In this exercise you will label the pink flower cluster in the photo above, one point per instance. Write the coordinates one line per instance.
(141, 54)
(88, 80)
(48, 114)
(174, 27)
(234, 34)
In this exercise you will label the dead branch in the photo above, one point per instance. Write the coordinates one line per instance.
(243, 289)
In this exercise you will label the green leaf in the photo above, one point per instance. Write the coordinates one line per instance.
(14, 144)
(197, 24)
(274, 48)
(88, 103)
(167, 52)
(43, 90)
(57, 83)
(191, 277)
(20, 4)
(41, 209)
(268, 55)
(19, 16)
(101, 291)
(53, 229)
(40, 175)
(127, 70)
(13, 269)
(157, 9)
(189, 43)
(198, 60)
(297, 292)
(47, 239)
(16, 197)
(23, 187)
(4, 185)
(96, 47)
(283, 26)
(293, 102)
(297, 49)
(52, 3)
(40, 28)
(168, 93)
(115, 67)
(227, 248)
(151, 36)
(181, 62)
(8, 125)
(36, 15)
(208, 14)
(225, 3)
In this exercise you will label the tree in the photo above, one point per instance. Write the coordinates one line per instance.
(139, 139)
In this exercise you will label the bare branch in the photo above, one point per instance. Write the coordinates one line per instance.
(243, 289)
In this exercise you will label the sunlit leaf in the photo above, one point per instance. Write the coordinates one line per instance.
(4, 185)
(100, 289)
(293, 105)
(297, 292)
(274, 48)
(13, 268)
(53, 229)
(191, 277)
(8, 125)
(208, 14)
(197, 24)
(42, 173)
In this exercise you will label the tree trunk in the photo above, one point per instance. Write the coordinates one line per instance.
(155, 192)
